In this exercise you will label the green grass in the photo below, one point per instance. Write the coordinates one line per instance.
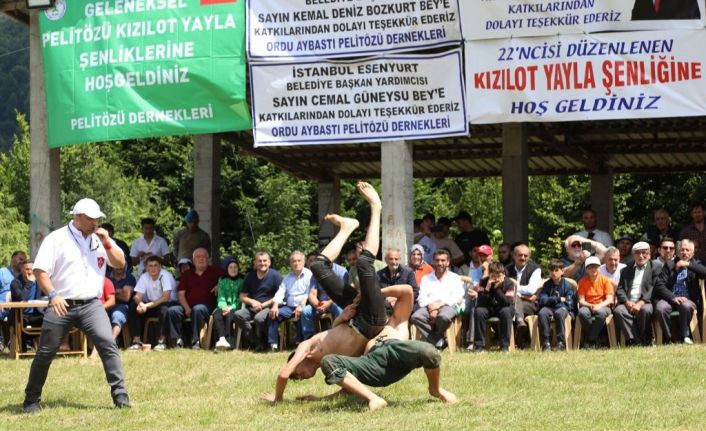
(626, 389)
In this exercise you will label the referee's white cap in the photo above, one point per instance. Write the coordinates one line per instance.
(89, 207)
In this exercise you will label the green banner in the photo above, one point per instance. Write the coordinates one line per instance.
(123, 69)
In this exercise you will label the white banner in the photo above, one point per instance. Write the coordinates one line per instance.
(349, 28)
(396, 97)
(489, 19)
(579, 77)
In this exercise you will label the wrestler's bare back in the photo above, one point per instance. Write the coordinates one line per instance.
(340, 340)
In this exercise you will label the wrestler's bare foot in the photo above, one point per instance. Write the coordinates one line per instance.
(444, 395)
(345, 223)
(370, 194)
(376, 403)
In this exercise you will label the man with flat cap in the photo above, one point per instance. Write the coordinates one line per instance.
(70, 269)
(634, 310)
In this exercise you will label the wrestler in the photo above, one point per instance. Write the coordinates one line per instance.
(387, 362)
(370, 311)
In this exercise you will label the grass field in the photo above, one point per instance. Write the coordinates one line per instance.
(627, 389)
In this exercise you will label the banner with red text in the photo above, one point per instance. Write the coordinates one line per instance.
(490, 19)
(348, 28)
(395, 97)
(579, 77)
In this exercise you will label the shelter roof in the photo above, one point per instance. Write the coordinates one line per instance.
(565, 148)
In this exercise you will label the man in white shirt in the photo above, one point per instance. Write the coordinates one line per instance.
(149, 244)
(440, 296)
(528, 276)
(155, 291)
(70, 269)
(292, 295)
(589, 220)
(611, 266)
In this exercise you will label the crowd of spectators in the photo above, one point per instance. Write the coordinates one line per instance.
(640, 281)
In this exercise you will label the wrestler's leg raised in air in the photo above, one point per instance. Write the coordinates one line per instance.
(371, 313)
(322, 267)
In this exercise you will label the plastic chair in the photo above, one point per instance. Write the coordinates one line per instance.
(453, 335)
(693, 325)
(610, 328)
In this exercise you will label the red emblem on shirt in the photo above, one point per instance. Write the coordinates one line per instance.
(101, 261)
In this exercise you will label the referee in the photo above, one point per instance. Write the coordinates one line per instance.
(70, 268)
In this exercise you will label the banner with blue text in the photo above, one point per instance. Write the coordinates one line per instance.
(349, 28)
(396, 97)
(490, 19)
(587, 77)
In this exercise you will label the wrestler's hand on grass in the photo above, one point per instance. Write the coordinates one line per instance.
(266, 396)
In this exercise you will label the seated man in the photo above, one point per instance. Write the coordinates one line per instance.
(634, 310)
(7, 275)
(595, 299)
(24, 288)
(155, 291)
(371, 316)
(394, 273)
(441, 297)
(124, 284)
(677, 287)
(612, 266)
(556, 301)
(387, 362)
(665, 251)
(495, 298)
(529, 280)
(196, 293)
(259, 288)
(578, 249)
(319, 301)
(292, 293)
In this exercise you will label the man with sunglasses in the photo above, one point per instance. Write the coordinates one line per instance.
(666, 251)
(70, 269)
(578, 249)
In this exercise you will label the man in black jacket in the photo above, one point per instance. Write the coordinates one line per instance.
(496, 298)
(634, 310)
(678, 288)
(665, 9)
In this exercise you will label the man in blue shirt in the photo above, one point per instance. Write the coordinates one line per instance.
(292, 293)
(258, 293)
(7, 275)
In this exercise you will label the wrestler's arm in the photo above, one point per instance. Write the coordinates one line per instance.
(405, 302)
(347, 314)
(286, 371)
